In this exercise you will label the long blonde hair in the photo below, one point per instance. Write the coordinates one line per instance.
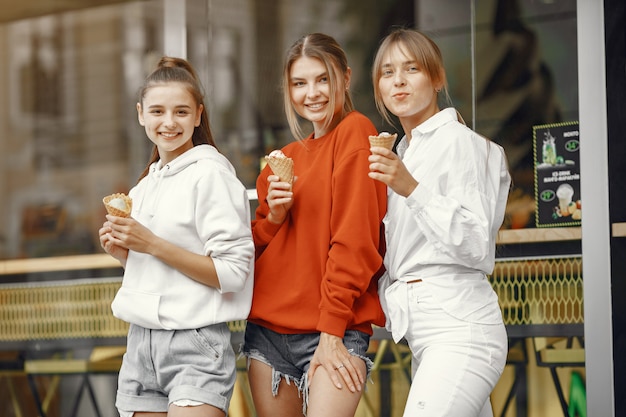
(327, 50)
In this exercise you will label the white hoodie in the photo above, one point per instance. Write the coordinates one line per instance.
(196, 202)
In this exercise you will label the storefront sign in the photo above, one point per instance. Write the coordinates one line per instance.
(557, 175)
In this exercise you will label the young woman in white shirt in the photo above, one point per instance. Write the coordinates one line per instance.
(448, 188)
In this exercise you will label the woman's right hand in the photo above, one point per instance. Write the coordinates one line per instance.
(118, 252)
(385, 166)
(279, 199)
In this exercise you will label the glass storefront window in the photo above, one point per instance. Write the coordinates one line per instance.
(70, 86)
(70, 82)
(513, 68)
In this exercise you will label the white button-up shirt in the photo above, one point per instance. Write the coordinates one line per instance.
(445, 231)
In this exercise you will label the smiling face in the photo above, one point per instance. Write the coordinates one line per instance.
(406, 88)
(169, 114)
(312, 95)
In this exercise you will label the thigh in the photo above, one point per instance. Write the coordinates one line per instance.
(324, 399)
(273, 396)
(204, 410)
(456, 363)
(449, 383)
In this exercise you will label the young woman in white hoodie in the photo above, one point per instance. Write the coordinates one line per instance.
(188, 257)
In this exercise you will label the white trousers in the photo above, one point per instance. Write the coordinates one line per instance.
(456, 363)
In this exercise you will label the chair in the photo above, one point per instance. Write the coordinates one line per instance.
(11, 364)
(517, 357)
(102, 359)
(49, 322)
(559, 352)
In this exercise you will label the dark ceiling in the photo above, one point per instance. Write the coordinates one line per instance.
(12, 10)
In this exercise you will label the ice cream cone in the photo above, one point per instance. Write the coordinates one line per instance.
(283, 167)
(384, 140)
(118, 204)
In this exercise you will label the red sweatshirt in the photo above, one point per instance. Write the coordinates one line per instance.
(318, 271)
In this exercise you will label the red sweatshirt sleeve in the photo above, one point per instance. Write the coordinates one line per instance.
(359, 204)
(262, 229)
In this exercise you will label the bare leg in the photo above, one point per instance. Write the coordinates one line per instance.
(327, 400)
(288, 403)
(204, 410)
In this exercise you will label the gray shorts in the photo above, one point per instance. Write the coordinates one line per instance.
(164, 366)
(289, 355)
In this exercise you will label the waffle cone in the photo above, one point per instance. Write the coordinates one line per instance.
(384, 141)
(283, 167)
(114, 211)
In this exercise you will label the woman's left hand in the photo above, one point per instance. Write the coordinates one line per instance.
(106, 242)
(332, 355)
(385, 166)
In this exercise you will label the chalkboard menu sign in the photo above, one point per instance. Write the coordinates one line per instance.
(556, 149)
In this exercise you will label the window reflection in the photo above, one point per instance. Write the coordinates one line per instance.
(519, 71)
(71, 135)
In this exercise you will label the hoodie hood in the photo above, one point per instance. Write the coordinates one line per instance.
(193, 155)
(158, 172)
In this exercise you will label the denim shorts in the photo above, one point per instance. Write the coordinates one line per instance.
(161, 367)
(290, 355)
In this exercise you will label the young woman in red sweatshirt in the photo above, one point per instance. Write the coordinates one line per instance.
(318, 248)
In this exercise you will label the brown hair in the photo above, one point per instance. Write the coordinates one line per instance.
(170, 69)
(417, 46)
(327, 50)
